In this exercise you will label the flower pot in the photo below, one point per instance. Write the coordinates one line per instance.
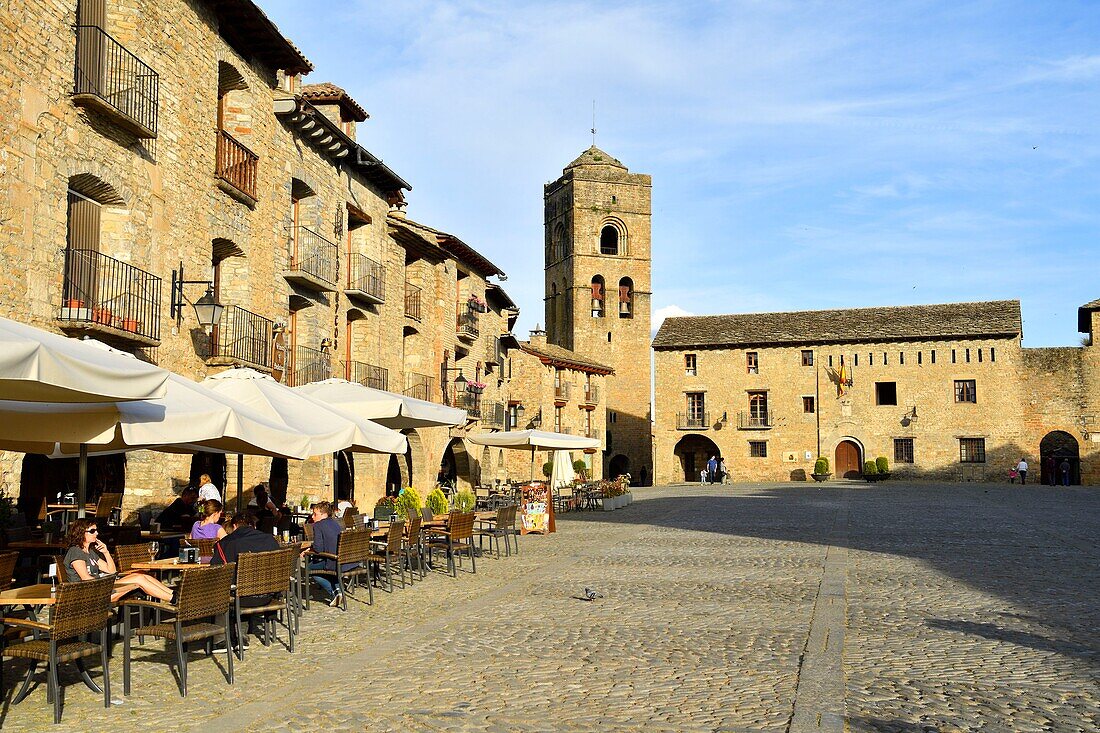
(74, 303)
(608, 503)
(101, 315)
(821, 476)
(130, 324)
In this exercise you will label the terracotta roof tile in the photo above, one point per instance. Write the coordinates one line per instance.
(894, 323)
(565, 357)
(328, 92)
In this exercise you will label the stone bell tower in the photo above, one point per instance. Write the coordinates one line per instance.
(597, 220)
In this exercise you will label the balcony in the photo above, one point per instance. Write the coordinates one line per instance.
(235, 168)
(466, 326)
(369, 375)
(366, 280)
(313, 264)
(755, 420)
(494, 415)
(420, 386)
(115, 82)
(591, 395)
(693, 421)
(412, 302)
(470, 402)
(107, 296)
(561, 393)
(310, 365)
(242, 337)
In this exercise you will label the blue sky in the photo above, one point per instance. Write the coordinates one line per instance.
(804, 154)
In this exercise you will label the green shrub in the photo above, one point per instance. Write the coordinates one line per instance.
(384, 507)
(580, 468)
(821, 466)
(408, 503)
(464, 501)
(437, 501)
(870, 468)
(882, 464)
(548, 469)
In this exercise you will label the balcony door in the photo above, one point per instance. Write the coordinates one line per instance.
(758, 408)
(82, 246)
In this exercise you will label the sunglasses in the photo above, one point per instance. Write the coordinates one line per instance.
(93, 530)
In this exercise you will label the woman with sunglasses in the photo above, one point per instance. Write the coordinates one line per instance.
(87, 558)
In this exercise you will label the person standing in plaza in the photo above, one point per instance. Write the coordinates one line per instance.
(1050, 465)
(1021, 468)
(712, 469)
(1064, 470)
(207, 489)
(725, 472)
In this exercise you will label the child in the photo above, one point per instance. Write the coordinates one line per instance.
(1012, 474)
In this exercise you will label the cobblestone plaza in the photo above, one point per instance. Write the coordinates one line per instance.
(847, 606)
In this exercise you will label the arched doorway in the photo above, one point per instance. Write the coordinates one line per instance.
(1055, 447)
(694, 451)
(393, 475)
(212, 464)
(619, 465)
(848, 460)
(345, 476)
(278, 481)
(454, 467)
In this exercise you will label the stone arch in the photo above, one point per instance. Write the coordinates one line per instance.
(235, 106)
(612, 237)
(95, 188)
(456, 467)
(87, 172)
(229, 78)
(844, 465)
(599, 296)
(618, 465)
(694, 451)
(1056, 446)
(413, 458)
(626, 298)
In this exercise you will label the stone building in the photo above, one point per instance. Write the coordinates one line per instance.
(942, 391)
(597, 240)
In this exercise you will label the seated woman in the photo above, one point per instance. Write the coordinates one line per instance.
(87, 558)
(209, 527)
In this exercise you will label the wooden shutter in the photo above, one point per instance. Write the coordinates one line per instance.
(82, 244)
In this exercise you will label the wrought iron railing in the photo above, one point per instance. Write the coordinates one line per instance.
(755, 420)
(310, 365)
(106, 70)
(467, 323)
(494, 415)
(420, 386)
(372, 376)
(692, 420)
(591, 394)
(470, 402)
(100, 290)
(236, 164)
(314, 255)
(366, 276)
(561, 391)
(412, 302)
(243, 336)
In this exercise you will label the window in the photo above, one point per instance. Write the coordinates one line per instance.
(752, 362)
(968, 356)
(870, 360)
(971, 450)
(696, 408)
(513, 417)
(992, 354)
(855, 359)
(884, 360)
(612, 417)
(609, 240)
(758, 449)
(966, 390)
(807, 357)
(830, 359)
(597, 297)
(979, 356)
(557, 419)
(758, 409)
(807, 404)
(920, 357)
(690, 368)
(903, 450)
(626, 298)
(933, 356)
(901, 358)
(886, 393)
(952, 356)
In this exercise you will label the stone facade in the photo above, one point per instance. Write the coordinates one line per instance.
(598, 255)
(927, 383)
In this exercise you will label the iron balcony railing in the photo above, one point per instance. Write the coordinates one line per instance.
(494, 415)
(566, 431)
(236, 164)
(366, 277)
(755, 420)
(116, 79)
(412, 302)
(591, 394)
(314, 255)
(561, 391)
(470, 402)
(310, 365)
(100, 291)
(420, 386)
(692, 420)
(467, 323)
(243, 336)
(369, 375)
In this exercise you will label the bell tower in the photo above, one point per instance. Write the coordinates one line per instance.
(597, 240)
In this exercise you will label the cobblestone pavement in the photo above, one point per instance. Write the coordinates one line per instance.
(892, 607)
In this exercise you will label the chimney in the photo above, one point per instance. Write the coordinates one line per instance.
(538, 336)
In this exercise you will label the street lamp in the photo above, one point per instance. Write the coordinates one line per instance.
(207, 310)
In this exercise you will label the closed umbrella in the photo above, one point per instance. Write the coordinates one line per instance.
(389, 409)
(563, 469)
(39, 366)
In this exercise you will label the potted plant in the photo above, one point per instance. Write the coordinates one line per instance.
(883, 468)
(821, 469)
(580, 468)
(870, 471)
(102, 315)
(464, 501)
(75, 310)
(51, 530)
(132, 325)
(437, 501)
(304, 503)
(384, 508)
(548, 469)
(408, 503)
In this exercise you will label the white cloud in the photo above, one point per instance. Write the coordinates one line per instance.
(669, 311)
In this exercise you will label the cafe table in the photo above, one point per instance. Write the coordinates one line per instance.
(44, 594)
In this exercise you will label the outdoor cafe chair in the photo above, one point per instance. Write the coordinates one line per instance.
(351, 515)
(81, 609)
(494, 529)
(482, 496)
(413, 547)
(385, 554)
(8, 561)
(353, 550)
(206, 547)
(106, 507)
(265, 574)
(457, 538)
(201, 594)
(127, 555)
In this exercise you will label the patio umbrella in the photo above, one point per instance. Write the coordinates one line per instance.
(39, 366)
(532, 440)
(389, 409)
(563, 469)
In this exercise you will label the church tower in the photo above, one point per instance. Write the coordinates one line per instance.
(597, 219)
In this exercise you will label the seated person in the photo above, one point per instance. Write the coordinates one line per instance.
(244, 537)
(180, 514)
(326, 538)
(343, 505)
(209, 527)
(87, 558)
(261, 502)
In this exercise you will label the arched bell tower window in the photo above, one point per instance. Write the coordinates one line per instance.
(598, 297)
(609, 240)
(626, 298)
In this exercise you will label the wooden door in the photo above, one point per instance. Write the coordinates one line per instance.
(847, 462)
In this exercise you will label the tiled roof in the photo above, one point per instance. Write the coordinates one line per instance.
(595, 156)
(450, 244)
(894, 323)
(329, 92)
(564, 357)
(247, 28)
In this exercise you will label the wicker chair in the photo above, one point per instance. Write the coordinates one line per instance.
(413, 547)
(457, 538)
(351, 514)
(127, 555)
(202, 593)
(8, 561)
(206, 547)
(106, 506)
(265, 574)
(353, 549)
(496, 528)
(388, 552)
(81, 608)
